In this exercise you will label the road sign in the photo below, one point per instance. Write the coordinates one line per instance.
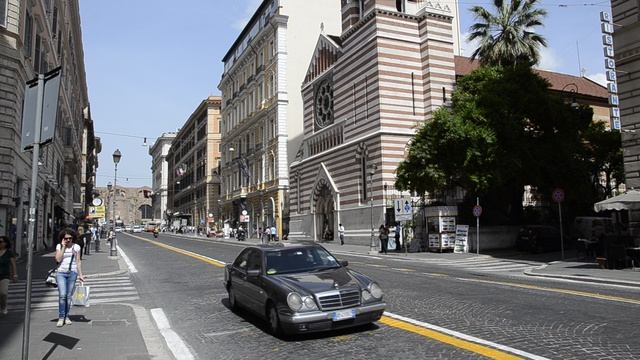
(558, 195)
(403, 209)
(49, 111)
(477, 210)
(244, 218)
(96, 212)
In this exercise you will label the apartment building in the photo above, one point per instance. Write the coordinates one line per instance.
(35, 37)
(160, 175)
(262, 108)
(193, 185)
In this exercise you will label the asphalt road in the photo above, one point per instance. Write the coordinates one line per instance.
(549, 319)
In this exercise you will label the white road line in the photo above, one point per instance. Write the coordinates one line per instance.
(132, 269)
(178, 348)
(356, 255)
(466, 337)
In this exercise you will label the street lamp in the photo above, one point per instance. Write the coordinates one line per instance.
(371, 172)
(117, 155)
(572, 89)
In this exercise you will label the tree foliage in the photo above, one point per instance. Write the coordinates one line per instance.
(505, 130)
(507, 37)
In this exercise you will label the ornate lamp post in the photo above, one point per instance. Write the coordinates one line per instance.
(114, 242)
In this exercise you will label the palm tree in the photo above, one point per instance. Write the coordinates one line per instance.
(506, 38)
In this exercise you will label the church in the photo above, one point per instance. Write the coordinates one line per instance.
(365, 93)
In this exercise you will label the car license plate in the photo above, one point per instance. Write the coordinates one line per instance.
(344, 314)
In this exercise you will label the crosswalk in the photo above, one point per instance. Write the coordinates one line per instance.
(103, 290)
(484, 263)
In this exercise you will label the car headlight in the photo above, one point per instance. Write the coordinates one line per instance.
(301, 303)
(294, 301)
(366, 295)
(375, 290)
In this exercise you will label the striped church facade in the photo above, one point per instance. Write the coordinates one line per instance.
(365, 94)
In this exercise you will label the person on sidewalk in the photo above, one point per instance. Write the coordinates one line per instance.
(273, 233)
(397, 237)
(383, 234)
(69, 269)
(80, 240)
(341, 233)
(8, 272)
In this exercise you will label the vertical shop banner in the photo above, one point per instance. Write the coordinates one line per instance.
(462, 239)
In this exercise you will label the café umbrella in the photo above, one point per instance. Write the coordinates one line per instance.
(627, 201)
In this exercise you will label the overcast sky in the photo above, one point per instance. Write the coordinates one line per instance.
(150, 63)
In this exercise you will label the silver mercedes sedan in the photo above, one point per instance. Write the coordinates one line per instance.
(301, 288)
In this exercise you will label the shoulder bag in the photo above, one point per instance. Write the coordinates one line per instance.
(51, 280)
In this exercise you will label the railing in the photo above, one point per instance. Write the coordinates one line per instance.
(325, 139)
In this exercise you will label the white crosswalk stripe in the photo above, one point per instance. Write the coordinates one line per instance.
(489, 264)
(103, 290)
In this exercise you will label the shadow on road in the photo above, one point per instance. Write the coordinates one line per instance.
(262, 325)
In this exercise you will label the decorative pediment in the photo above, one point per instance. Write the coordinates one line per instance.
(323, 179)
(326, 53)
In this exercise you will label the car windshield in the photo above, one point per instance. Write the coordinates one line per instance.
(306, 259)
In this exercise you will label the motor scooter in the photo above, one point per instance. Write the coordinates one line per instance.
(241, 235)
(155, 233)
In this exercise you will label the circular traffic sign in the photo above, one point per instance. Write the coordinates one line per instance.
(477, 210)
(558, 195)
(97, 202)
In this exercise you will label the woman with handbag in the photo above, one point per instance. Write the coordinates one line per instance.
(8, 272)
(69, 268)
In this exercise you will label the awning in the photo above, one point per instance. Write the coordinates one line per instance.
(627, 201)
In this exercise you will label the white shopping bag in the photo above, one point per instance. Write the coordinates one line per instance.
(81, 295)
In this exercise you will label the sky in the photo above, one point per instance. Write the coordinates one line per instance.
(149, 63)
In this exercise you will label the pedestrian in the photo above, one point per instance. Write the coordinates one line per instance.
(69, 269)
(80, 239)
(397, 237)
(267, 234)
(8, 271)
(341, 233)
(383, 234)
(273, 233)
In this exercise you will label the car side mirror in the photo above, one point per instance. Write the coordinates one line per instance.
(344, 263)
(253, 273)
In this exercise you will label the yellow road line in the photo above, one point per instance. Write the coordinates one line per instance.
(202, 258)
(561, 291)
(447, 339)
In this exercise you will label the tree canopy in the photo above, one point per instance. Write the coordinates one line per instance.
(504, 130)
(507, 37)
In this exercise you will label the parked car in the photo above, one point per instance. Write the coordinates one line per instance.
(128, 228)
(119, 229)
(539, 238)
(300, 288)
(137, 228)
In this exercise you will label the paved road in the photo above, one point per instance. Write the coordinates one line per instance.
(549, 319)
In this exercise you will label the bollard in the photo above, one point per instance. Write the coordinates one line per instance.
(114, 242)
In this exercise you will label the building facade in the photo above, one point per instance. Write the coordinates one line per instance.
(35, 37)
(626, 42)
(262, 107)
(160, 175)
(132, 205)
(193, 160)
(365, 93)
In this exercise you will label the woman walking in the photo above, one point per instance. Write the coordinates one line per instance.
(8, 272)
(383, 234)
(70, 267)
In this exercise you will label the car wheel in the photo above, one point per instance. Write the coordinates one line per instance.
(233, 302)
(274, 321)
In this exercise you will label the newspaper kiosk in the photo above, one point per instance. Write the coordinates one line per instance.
(441, 227)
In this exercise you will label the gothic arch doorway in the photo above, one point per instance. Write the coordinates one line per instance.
(324, 212)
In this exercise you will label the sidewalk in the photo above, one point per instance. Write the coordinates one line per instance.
(543, 265)
(100, 331)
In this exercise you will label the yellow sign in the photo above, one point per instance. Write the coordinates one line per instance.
(96, 212)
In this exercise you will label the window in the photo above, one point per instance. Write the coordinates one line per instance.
(241, 261)
(28, 34)
(363, 179)
(255, 260)
(37, 55)
(3, 13)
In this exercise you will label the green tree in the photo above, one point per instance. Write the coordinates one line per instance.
(505, 130)
(603, 151)
(507, 37)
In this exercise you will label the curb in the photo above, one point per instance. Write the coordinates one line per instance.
(530, 272)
